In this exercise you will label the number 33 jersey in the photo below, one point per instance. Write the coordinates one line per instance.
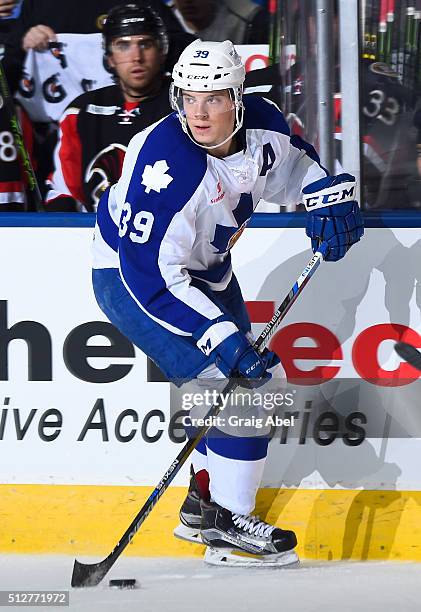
(177, 211)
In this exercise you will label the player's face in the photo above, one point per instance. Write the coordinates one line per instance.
(137, 61)
(210, 116)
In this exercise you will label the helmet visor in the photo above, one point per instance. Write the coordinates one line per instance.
(204, 104)
(124, 46)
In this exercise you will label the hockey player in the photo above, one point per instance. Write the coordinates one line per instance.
(162, 267)
(98, 125)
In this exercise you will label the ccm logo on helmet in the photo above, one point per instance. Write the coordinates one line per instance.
(201, 77)
(327, 199)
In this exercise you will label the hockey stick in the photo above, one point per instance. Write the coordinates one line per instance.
(92, 574)
(391, 54)
(409, 353)
(34, 194)
(382, 29)
(273, 32)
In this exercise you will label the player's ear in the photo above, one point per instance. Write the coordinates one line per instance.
(109, 59)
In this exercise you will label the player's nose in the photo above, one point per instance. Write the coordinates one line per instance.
(200, 111)
(137, 53)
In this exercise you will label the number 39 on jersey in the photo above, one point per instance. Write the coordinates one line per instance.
(142, 224)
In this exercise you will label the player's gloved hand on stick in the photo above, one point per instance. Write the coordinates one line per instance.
(237, 357)
(334, 215)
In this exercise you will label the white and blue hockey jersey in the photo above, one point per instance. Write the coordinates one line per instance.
(176, 212)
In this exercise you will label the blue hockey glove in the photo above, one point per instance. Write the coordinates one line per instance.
(334, 215)
(236, 357)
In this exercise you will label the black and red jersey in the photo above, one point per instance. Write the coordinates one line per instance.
(12, 185)
(94, 133)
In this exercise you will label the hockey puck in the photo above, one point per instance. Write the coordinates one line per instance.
(123, 583)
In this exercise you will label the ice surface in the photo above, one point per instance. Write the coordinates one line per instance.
(187, 585)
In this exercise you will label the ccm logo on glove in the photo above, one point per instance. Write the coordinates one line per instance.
(331, 195)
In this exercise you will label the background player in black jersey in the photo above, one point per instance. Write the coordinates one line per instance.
(98, 125)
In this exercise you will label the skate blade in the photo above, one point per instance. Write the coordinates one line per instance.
(236, 558)
(188, 534)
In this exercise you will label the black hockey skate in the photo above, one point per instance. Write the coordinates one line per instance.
(244, 540)
(190, 514)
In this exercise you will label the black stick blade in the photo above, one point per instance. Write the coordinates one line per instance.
(87, 575)
(409, 353)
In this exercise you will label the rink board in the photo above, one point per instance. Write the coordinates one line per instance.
(79, 456)
(88, 520)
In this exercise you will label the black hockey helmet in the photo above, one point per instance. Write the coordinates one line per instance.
(134, 18)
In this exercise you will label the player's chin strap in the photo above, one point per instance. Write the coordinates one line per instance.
(239, 118)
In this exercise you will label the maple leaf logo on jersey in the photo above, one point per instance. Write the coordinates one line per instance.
(155, 177)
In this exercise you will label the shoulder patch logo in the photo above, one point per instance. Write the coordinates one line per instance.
(155, 177)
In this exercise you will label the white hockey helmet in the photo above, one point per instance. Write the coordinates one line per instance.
(209, 66)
